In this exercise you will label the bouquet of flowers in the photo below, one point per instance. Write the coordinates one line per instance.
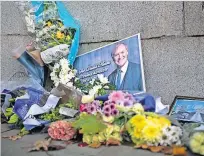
(194, 137)
(53, 26)
(63, 73)
(153, 130)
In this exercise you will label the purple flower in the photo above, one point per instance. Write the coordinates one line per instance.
(106, 109)
(128, 103)
(96, 103)
(93, 108)
(120, 102)
(106, 103)
(85, 110)
(129, 97)
(115, 112)
(112, 106)
(107, 114)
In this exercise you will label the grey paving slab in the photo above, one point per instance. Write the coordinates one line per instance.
(194, 18)
(20, 149)
(174, 66)
(116, 20)
(4, 127)
(16, 148)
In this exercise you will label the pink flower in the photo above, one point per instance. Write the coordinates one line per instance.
(128, 103)
(106, 109)
(116, 95)
(82, 106)
(61, 130)
(129, 97)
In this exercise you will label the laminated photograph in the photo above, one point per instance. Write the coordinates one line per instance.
(188, 109)
(121, 62)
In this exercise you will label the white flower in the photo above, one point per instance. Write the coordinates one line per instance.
(69, 84)
(53, 27)
(45, 30)
(94, 90)
(64, 62)
(92, 81)
(37, 39)
(103, 79)
(171, 135)
(56, 66)
(106, 87)
(56, 83)
(40, 33)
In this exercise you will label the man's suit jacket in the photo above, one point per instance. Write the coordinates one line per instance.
(132, 79)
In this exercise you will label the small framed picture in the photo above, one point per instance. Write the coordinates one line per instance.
(121, 62)
(186, 108)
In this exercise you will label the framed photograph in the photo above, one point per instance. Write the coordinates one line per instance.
(121, 62)
(188, 109)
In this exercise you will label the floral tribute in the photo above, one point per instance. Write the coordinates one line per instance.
(153, 130)
(63, 73)
(61, 130)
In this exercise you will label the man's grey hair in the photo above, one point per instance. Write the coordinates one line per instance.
(116, 47)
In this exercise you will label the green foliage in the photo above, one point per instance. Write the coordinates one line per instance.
(54, 114)
(89, 124)
(23, 132)
(9, 112)
(13, 119)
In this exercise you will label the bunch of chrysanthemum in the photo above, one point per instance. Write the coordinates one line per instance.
(91, 107)
(111, 132)
(196, 142)
(62, 73)
(171, 135)
(153, 130)
(61, 130)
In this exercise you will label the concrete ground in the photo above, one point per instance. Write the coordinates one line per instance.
(18, 148)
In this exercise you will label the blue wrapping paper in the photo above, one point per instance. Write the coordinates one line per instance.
(33, 102)
(34, 69)
(147, 100)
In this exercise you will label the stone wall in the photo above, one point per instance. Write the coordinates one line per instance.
(172, 39)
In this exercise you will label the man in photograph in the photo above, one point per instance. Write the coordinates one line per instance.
(127, 75)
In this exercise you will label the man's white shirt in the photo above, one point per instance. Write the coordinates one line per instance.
(123, 71)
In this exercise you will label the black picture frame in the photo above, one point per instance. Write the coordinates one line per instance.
(187, 109)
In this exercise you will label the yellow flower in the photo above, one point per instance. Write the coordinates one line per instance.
(138, 108)
(152, 120)
(164, 122)
(59, 35)
(151, 133)
(109, 119)
(138, 121)
(137, 133)
(49, 23)
(68, 37)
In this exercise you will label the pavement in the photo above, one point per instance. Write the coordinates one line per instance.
(20, 147)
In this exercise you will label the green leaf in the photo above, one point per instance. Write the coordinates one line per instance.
(9, 112)
(13, 119)
(89, 124)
